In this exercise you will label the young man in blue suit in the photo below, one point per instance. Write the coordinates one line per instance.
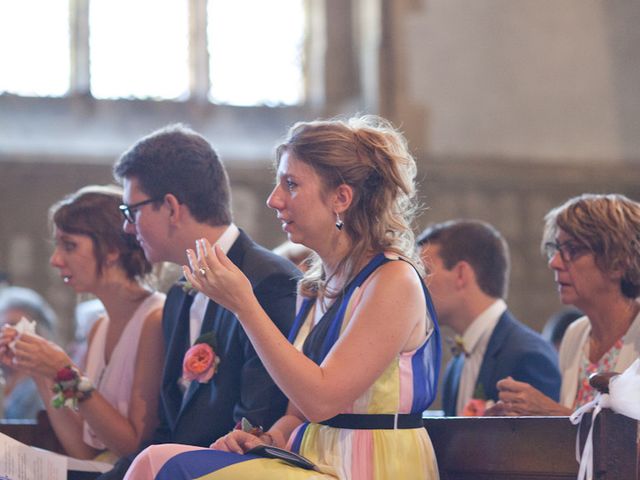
(468, 265)
(176, 191)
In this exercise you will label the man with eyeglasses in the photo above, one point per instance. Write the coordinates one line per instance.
(468, 265)
(176, 191)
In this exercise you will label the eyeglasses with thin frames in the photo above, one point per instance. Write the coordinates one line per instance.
(129, 211)
(569, 250)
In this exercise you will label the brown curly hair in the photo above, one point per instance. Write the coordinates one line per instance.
(372, 157)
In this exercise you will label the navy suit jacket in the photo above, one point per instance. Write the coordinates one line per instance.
(513, 350)
(241, 387)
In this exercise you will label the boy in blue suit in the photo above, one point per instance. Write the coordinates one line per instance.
(468, 264)
(176, 191)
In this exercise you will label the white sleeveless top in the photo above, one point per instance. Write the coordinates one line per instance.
(114, 381)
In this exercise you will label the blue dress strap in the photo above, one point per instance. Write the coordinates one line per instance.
(426, 362)
(334, 330)
(299, 320)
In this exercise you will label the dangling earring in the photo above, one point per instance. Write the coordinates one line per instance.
(339, 222)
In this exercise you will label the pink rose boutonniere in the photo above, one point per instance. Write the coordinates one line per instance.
(200, 361)
(478, 404)
(476, 407)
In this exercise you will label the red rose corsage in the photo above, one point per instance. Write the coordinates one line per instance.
(70, 388)
(200, 361)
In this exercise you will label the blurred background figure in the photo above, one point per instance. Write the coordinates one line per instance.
(5, 281)
(20, 395)
(298, 254)
(469, 264)
(558, 323)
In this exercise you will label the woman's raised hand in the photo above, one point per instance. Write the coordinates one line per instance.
(38, 356)
(212, 273)
(7, 335)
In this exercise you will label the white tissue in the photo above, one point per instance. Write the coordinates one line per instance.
(623, 398)
(624, 392)
(23, 326)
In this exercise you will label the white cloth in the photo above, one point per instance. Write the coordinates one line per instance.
(623, 398)
(114, 380)
(576, 340)
(201, 301)
(476, 339)
(624, 392)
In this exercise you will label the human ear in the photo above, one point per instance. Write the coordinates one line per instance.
(616, 275)
(464, 273)
(111, 258)
(343, 196)
(174, 206)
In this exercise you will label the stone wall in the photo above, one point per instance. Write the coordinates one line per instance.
(542, 79)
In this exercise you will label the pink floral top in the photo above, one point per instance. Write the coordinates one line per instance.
(586, 392)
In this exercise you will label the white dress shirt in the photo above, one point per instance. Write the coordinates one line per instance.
(476, 338)
(200, 301)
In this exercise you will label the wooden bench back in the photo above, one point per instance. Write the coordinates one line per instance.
(37, 433)
(531, 448)
(480, 448)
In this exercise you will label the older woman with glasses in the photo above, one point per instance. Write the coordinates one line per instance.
(592, 243)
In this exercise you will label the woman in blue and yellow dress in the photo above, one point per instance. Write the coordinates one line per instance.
(362, 361)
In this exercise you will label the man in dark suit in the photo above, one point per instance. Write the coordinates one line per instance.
(176, 191)
(468, 264)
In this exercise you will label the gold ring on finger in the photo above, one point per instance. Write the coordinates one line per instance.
(202, 272)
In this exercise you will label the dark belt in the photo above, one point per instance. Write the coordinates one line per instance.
(356, 421)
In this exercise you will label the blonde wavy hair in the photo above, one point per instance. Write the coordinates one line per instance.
(609, 225)
(372, 157)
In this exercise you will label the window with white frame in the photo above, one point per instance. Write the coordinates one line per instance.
(258, 58)
(34, 49)
(240, 52)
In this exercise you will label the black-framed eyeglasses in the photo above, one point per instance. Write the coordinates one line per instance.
(569, 250)
(129, 211)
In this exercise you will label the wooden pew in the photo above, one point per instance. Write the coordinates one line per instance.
(531, 448)
(37, 433)
(478, 448)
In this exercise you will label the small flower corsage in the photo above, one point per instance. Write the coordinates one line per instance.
(478, 404)
(200, 361)
(187, 287)
(476, 407)
(70, 388)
